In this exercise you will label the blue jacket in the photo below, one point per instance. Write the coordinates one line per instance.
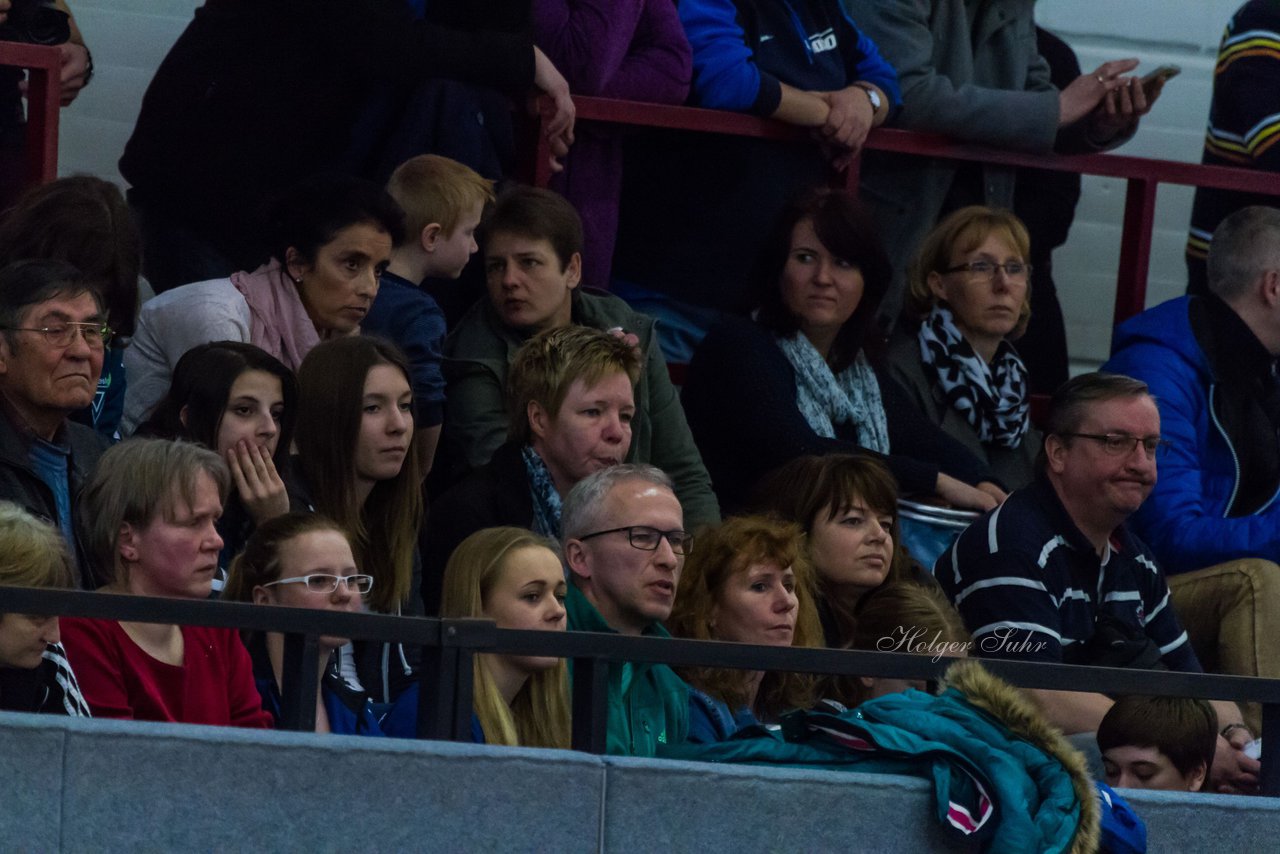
(743, 50)
(408, 317)
(1184, 520)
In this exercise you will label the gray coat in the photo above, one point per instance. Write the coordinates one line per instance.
(969, 70)
(1015, 467)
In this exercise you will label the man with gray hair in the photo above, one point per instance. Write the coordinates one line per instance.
(625, 544)
(1213, 520)
(53, 338)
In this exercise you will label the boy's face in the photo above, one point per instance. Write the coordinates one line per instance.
(454, 250)
(1131, 767)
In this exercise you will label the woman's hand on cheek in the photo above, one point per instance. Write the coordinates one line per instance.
(257, 482)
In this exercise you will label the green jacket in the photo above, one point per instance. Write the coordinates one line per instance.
(654, 708)
(479, 351)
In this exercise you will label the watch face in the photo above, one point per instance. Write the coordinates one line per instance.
(875, 98)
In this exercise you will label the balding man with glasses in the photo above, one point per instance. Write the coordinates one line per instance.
(1054, 574)
(53, 336)
(625, 544)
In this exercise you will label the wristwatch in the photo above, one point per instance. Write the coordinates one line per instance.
(874, 97)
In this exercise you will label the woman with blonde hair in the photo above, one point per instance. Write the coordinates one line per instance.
(34, 673)
(902, 617)
(513, 577)
(970, 294)
(149, 513)
(747, 582)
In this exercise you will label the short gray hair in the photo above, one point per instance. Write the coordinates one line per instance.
(136, 481)
(1245, 245)
(580, 513)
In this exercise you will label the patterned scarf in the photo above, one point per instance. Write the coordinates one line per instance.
(992, 398)
(826, 399)
(546, 500)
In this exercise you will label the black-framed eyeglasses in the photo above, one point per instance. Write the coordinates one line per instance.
(323, 582)
(648, 539)
(1121, 444)
(96, 335)
(987, 269)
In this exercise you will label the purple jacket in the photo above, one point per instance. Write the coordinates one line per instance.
(633, 50)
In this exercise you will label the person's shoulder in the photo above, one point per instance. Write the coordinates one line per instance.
(475, 335)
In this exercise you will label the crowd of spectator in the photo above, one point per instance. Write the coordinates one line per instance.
(291, 420)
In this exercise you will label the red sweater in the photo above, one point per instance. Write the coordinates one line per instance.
(214, 685)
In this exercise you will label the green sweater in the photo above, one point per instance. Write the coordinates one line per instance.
(480, 350)
(648, 703)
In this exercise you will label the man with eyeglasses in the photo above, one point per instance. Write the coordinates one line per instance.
(625, 544)
(1055, 575)
(53, 336)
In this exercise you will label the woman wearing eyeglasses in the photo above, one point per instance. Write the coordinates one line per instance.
(803, 378)
(970, 292)
(304, 560)
(149, 512)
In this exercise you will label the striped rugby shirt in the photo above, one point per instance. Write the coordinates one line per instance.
(1029, 585)
(1244, 123)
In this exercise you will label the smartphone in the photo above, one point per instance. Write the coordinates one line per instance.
(1161, 75)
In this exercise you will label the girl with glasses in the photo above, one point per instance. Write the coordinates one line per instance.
(239, 401)
(513, 577)
(304, 560)
(970, 295)
(355, 464)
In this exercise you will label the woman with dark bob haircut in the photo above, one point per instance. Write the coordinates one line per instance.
(355, 464)
(329, 239)
(800, 378)
(240, 401)
(847, 505)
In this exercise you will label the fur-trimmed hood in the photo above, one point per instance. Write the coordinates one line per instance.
(1011, 707)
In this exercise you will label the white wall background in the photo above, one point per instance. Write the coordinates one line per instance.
(130, 37)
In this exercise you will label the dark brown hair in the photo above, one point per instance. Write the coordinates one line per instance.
(84, 221)
(1185, 730)
(384, 531)
(540, 215)
(848, 232)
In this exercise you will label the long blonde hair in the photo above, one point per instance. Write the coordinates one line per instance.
(539, 715)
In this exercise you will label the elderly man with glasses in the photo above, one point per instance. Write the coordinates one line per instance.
(1054, 575)
(625, 544)
(53, 336)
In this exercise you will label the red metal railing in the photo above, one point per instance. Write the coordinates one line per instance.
(44, 91)
(1143, 175)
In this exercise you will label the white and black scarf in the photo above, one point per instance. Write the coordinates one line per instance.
(992, 398)
(826, 399)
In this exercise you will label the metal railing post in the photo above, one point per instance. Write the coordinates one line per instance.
(300, 682)
(1135, 248)
(1269, 784)
(590, 704)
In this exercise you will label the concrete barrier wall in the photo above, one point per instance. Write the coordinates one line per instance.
(72, 785)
